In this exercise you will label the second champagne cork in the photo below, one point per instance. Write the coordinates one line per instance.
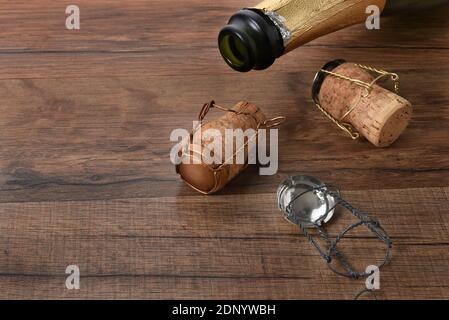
(212, 175)
(349, 94)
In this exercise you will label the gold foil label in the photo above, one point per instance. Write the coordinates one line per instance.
(307, 20)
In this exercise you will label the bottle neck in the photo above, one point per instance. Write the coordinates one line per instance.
(255, 38)
(308, 20)
(251, 40)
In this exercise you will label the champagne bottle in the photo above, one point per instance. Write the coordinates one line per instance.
(255, 37)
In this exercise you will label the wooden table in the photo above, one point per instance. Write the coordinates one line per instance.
(85, 175)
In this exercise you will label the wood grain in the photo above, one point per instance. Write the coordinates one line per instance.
(217, 242)
(85, 176)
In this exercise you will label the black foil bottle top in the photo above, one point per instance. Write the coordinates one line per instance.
(250, 41)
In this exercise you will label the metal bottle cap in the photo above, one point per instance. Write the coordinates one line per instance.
(308, 203)
(304, 199)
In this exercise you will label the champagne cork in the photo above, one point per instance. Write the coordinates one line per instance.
(207, 172)
(375, 113)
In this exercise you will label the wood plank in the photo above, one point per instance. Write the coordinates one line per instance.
(85, 176)
(35, 49)
(162, 288)
(143, 287)
(221, 216)
(149, 25)
(244, 241)
(95, 138)
(175, 62)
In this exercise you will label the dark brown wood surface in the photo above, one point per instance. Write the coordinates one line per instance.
(85, 175)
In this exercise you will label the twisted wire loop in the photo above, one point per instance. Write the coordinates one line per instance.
(269, 123)
(363, 291)
(345, 126)
(331, 252)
